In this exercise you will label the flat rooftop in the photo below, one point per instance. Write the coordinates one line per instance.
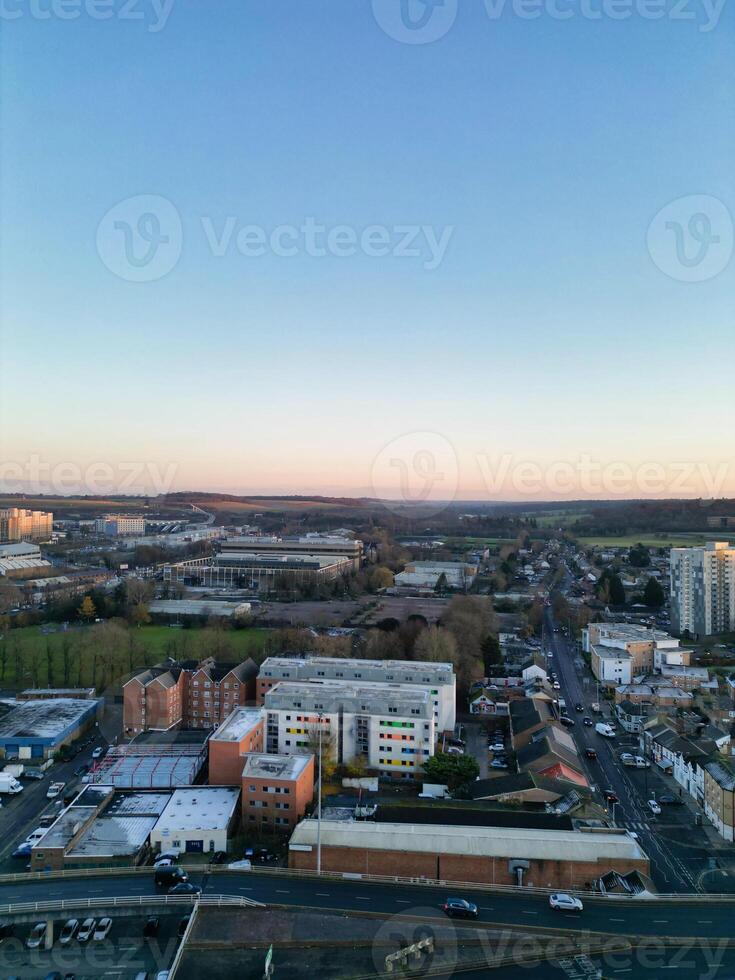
(199, 808)
(611, 653)
(198, 607)
(45, 718)
(237, 725)
(499, 842)
(329, 695)
(331, 665)
(265, 766)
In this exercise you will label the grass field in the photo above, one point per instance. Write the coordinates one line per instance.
(673, 539)
(100, 654)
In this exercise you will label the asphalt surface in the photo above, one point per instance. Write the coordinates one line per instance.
(643, 917)
(668, 870)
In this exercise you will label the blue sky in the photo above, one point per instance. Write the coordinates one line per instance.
(546, 331)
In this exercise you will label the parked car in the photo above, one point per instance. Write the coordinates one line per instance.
(654, 807)
(103, 929)
(668, 800)
(54, 790)
(86, 930)
(567, 721)
(23, 851)
(565, 903)
(152, 925)
(164, 862)
(69, 931)
(497, 746)
(627, 759)
(166, 877)
(36, 936)
(459, 908)
(557, 686)
(498, 764)
(98, 752)
(185, 888)
(81, 770)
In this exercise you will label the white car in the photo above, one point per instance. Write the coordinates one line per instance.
(37, 936)
(557, 686)
(654, 807)
(102, 930)
(69, 931)
(84, 934)
(497, 747)
(98, 752)
(565, 903)
(54, 790)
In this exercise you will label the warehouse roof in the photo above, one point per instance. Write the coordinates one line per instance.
(45, 718)
(199, 808)
(500, 842)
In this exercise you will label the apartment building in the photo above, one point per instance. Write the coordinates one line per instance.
(189, 695)
(390, 726)
(439, 678)
(647, 648)
(241, 733)
(120, 525)
(17, 524)
(611, 666)
(703, 589)
(276, 789)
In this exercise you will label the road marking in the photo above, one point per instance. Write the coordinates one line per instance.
(362, 898)
(530, 913)
(617, 920)
(244, 888)
(660, 922)
(322, 894)
(403, 901)
(704, 922)
(281, 891)
(487, 908)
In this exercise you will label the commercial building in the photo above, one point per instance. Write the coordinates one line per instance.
(190, 694)
(390, 726)
(427, 575)
(276, 790)
(100, 827)
(438, 677)
(486, 855)
(197, 820)
(162, 762)
(703, 589)
(36, 729)
(177, 609)
(53, 693)
(17, 524)
(241, 733)
(611, 666)
(120, 525)
(310, 544)
(646, 648)
(258, 572)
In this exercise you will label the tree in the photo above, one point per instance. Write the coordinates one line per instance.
(436, 645)
(442, 584)
(653, 594)
(380, 578)
(639, 556)
(491, 654)
(87, 609)
(453, 771)
(610, 589)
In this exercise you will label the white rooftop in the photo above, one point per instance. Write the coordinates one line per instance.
(199, 808)
(264, 766)
(500, 842)
(237, 725)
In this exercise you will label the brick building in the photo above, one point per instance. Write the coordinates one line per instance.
(243, 732)
(487, 855)
(190, 695)
(276, 790)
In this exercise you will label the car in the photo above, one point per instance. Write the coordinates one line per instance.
(54, 975)
(183, 925)
(497, 747)
(103, 929)
(611, 796)
(185, 888)
(152, 925)
(653, 807)
(170, 855)
(459, 908)
(86, 930)
(23, 851)
(627, 759)
(579, 707)
(98, 752)
(164, 863)
(69, 931)
(565, 903)
(587, 722)
(668, 800)
(54, 790)
(498, 764)
(81, 770)
(557, 686)
(37, 936)
(567, 721)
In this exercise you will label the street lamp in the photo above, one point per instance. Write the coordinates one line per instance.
(319, 802)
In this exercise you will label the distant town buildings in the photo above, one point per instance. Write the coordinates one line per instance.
(703, 589)
(25, 525)
(120, 525)
(425, 576)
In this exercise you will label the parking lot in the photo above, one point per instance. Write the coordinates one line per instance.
(125, 953)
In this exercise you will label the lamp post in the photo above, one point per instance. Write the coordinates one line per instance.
(319, 803)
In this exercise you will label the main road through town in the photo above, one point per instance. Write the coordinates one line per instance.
(607, 772)
(711, 919)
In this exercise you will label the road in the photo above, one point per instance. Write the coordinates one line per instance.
(667, 870)
(644, 918)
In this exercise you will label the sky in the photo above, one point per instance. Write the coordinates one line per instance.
(479, 250)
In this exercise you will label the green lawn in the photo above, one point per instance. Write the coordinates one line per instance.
(674, 539)
(100, 654)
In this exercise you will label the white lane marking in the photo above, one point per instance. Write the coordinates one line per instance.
(530, 913)
(704, 922)
(281, 891)
(617, 920)
(403, 901)
(362, 898)
(322, 894)
(660, 922)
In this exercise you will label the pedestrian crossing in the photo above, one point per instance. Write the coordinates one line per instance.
(632, 824)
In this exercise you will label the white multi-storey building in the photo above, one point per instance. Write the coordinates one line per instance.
(391, 726)
(439, 678)
(703, 589)
(119, 525)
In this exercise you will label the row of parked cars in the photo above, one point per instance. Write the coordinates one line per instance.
(94, 930)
